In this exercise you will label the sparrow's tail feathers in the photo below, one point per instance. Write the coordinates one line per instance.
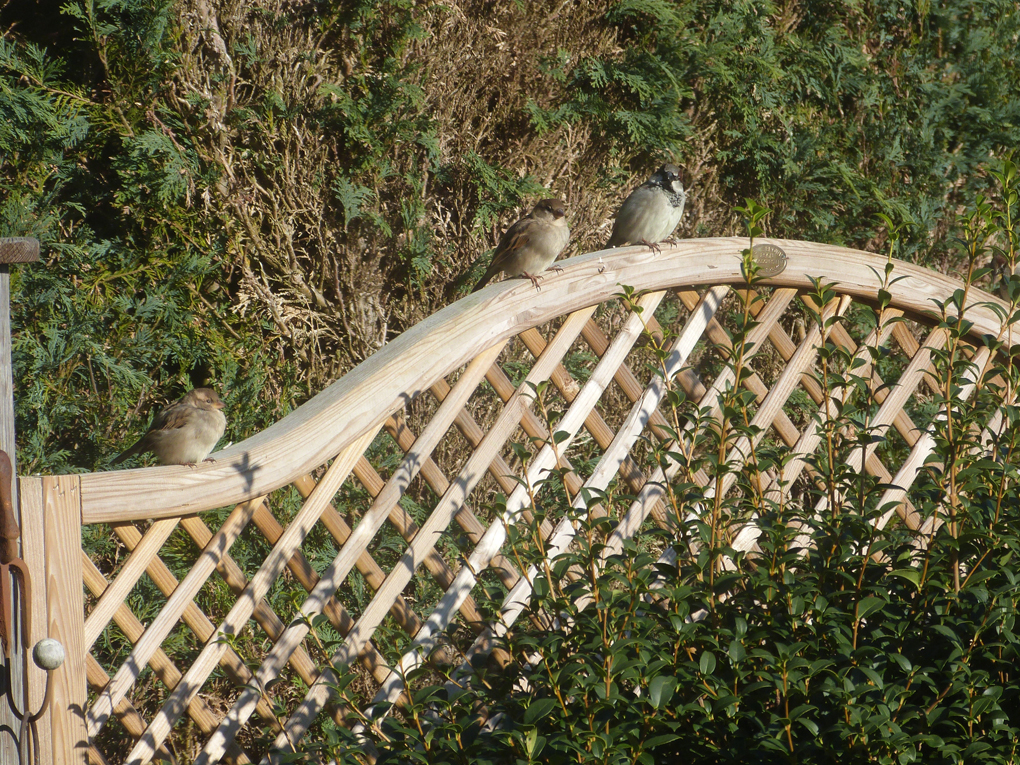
(484, 280)
(138, 448)
(619, 237)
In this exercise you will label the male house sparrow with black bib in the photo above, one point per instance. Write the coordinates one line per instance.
(532, 244)
(652, 211)
(185, 432)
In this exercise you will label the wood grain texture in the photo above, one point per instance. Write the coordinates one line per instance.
(182, 597)
(610, 463)
(66, 617)
(445, 341)
(18, 249)
(116, 593)
(33, 552)
(350, 553)
(408, 529)
(440, 518)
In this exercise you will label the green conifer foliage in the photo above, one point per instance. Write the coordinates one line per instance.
(258, 196)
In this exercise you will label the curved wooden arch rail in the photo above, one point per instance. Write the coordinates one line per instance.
(341, 422)
(411, 363)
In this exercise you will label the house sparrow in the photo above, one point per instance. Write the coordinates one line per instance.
(651, 212)
(532, 244)
(185, 432)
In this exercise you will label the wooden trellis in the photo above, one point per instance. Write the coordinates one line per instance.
(411, 445)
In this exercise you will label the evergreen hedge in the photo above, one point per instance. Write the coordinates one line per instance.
(257, 196)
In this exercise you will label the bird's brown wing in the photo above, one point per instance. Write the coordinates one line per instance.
(513, 239)
(173, 417)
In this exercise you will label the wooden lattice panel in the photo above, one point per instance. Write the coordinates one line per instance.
(361, 531)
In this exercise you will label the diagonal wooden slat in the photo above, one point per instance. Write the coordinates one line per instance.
(595, 424)
(803, 357)
(782, 342)
(786, 347)
(576, 415)
(235, 579)
(795, 369)
(126, 713)
(133, 568)
(357, 542)
(724, 343)
(812, 434)
(168, 616)
(164, 668)
(402, 613)
(919, 454)
(910, 345)
(785, 428)
(628, 381)
(505, 476)
(904, 388)
(642, 414)
(636, 422)
(655, 489)
(408, 529)
(282, 551)
(441, 516)
(440, 484)
(308, 578)
(232, 664)
(902, 422)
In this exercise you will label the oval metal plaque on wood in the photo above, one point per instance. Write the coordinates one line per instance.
(771, 260)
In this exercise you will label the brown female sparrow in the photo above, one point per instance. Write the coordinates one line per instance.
(185, 432)
(532, 244)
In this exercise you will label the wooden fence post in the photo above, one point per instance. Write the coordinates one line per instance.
(33, 551)
(12, 250)
(65, 618)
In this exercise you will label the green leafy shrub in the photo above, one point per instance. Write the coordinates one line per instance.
(837, 639)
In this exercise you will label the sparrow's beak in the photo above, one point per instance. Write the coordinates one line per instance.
(219, 405)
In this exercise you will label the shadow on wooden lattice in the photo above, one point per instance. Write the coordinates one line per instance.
(373, 500)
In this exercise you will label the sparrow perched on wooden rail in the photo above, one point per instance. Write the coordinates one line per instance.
(185, 432)
(652, 211)
(532, 244)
